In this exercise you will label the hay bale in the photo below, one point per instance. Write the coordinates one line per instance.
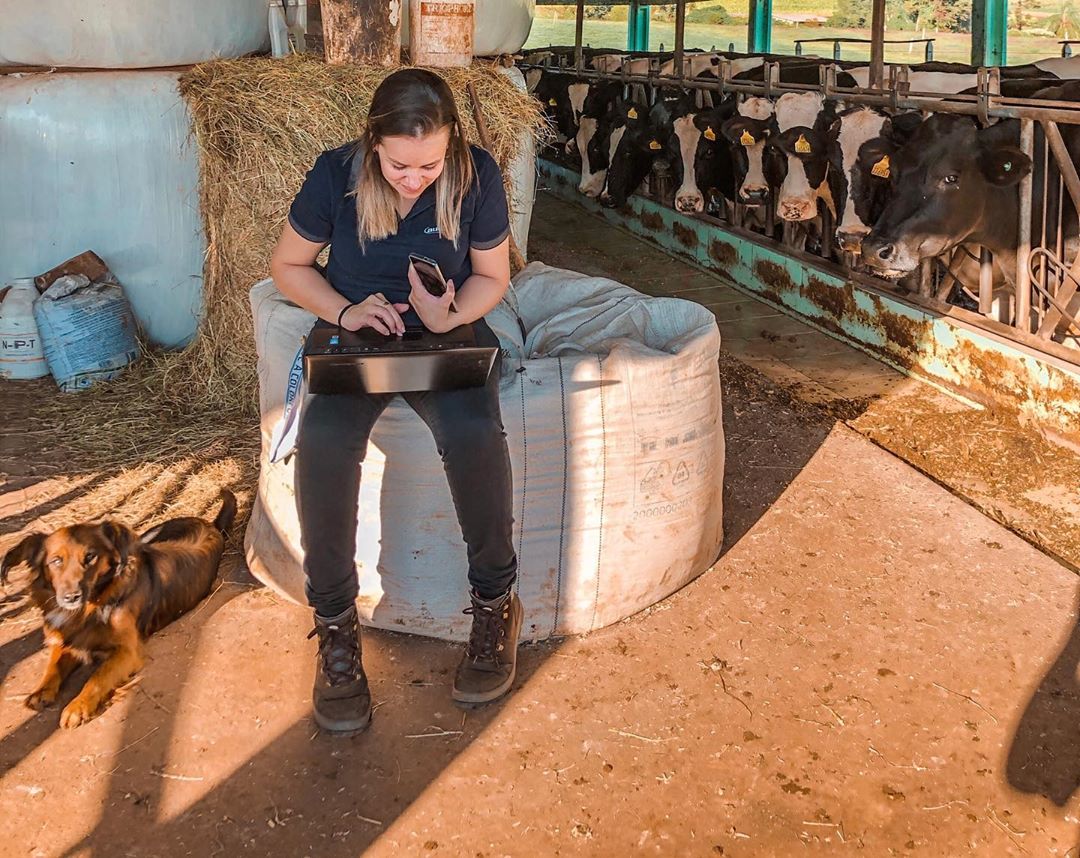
(259, 125)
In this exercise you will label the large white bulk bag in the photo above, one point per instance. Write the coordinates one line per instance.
(612, 413)
(500, 26)
(102, 161)
(116, 34)
(522, 177)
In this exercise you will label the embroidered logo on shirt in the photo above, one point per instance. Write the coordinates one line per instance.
(431, 230)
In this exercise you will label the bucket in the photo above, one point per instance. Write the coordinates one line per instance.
(21, 356)
(441, 33)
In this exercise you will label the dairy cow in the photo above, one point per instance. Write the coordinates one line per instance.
(754, 165)
(707, 173)
(630, 144)
(862, 142)
(802, 123)
(602, 108)
(953, 183)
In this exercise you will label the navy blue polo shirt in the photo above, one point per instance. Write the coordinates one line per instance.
(325, 212)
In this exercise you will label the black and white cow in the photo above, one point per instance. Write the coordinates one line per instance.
(754, 164)
(862, 143)
(935, 77)
(621, 144)
(802, 123)
(563, 98)
(596, 115)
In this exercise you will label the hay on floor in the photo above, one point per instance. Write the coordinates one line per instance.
(259, 125)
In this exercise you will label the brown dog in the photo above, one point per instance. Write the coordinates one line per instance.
(104, 589)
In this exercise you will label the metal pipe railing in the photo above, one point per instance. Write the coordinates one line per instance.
(928, 49)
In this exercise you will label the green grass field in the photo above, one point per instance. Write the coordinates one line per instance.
(555, 26)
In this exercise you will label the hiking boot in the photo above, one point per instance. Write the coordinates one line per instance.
(487, 670)
(341, 698)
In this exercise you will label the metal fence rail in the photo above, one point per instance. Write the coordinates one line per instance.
(928, 44)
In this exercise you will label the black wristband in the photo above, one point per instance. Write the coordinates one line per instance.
(344, 310)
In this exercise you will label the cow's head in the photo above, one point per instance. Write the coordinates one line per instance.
(748, 133)
(863, 143)
(674, 136)
(625, 149)
(704, 156)
(952, 183)
(553, 92)
(803, 120)
(600, 111)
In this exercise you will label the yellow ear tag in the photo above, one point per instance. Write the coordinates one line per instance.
(631, 113)
(655, 144)
(553, 103)
(710, 134)
(881, 168)
(802, 145)
(747, 139)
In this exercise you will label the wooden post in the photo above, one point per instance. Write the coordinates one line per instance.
(362, 31)
(877, 45)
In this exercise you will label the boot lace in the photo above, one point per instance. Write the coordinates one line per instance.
(339, 650)
(488, 631)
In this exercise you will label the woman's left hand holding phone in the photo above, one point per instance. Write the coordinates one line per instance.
(433, 312)
(377, 313)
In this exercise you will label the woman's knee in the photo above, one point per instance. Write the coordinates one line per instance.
(476, 434)
(334, 421)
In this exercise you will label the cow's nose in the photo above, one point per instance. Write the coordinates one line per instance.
(689, 203)
(876, 250)
(850, 240)
(754, 195)
(796, 210)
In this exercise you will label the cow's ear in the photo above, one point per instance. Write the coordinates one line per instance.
(900, 127)
(702, 120)
(1004, 165)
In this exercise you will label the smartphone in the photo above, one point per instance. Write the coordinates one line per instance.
(430, 275)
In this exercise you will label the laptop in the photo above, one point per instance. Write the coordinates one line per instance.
(365, 361)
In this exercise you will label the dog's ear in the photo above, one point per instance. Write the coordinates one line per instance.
(30, 551)
(122, 538)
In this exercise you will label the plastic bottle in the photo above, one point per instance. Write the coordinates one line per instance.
(21, 356)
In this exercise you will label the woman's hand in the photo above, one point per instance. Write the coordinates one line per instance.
(375, 312)
(434, 312)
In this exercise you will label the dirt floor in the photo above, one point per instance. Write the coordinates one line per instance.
(872, 665)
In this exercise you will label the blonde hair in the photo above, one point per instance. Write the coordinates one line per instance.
(411, 103)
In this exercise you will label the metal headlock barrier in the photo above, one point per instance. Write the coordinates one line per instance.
(1043, 306)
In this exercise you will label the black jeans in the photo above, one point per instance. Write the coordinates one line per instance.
(331, 445)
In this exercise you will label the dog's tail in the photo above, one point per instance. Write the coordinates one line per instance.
(227, 514)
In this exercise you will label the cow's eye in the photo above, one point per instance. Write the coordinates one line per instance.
(951, 179)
